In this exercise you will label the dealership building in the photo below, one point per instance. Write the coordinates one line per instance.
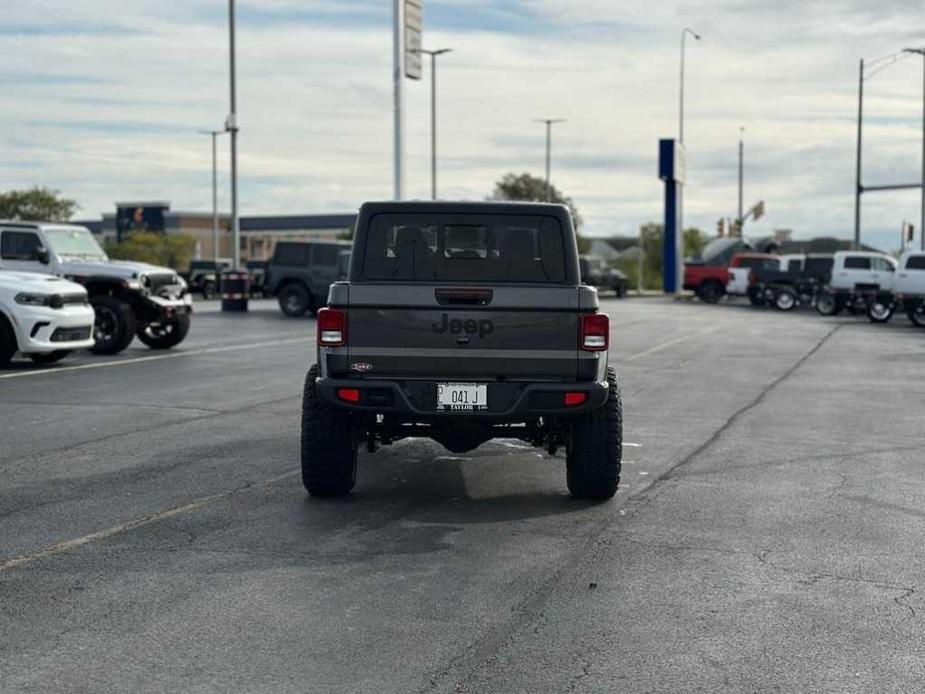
(259, 234)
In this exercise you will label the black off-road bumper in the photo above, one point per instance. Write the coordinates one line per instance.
(507, 401)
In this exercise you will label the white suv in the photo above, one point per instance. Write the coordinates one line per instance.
(857, 278)
(42, 317)
(908, 291)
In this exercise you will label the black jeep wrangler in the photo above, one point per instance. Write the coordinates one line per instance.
(463, 322)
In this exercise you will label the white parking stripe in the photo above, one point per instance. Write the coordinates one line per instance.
(158, 357)
(665, 345)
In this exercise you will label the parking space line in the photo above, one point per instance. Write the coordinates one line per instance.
(136, 523)
(156, 357)
(670, 343)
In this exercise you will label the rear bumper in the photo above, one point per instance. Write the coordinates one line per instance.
(507, 401)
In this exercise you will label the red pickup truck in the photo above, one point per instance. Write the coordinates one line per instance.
(707, 275)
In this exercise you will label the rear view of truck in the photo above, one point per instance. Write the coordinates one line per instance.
(463, 322)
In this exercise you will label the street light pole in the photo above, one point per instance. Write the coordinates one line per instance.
(398, 53)
(741, 177)
(679, 240)
(681, 99)
(433, 114)
(214, 134)
(549, 123)
(857, 174)
(232, 127)
(921, 52)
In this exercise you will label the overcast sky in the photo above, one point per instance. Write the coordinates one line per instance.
(104, 104)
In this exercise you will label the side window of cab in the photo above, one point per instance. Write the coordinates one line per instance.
(19, 245)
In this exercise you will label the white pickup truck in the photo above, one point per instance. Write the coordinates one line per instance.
(858, 277)
(907, 294)
(42, 317)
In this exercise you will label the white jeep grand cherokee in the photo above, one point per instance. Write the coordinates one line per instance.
(42, 317)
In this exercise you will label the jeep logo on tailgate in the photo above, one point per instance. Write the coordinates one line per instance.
(471, 326)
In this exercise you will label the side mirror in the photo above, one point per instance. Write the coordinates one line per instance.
(41, 255)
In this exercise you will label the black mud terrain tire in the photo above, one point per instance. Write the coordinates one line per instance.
(785, 299)
(165, 335)
(50, 357)
(711, 291)
(209, 289)
(595, 451)
(113, 325)
(7, 342)
(916, 316)
(880, 310)
(294, 300)
(329, 444)
(827, 304)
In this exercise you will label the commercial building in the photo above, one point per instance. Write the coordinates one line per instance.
(259, 234)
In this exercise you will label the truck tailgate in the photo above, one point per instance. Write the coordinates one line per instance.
(502, 333)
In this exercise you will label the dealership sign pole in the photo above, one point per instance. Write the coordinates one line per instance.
(409, 21)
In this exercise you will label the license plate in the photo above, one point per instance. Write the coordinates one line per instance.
(462, 397)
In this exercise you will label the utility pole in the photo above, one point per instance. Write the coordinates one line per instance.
(398, 54)
(857, 175)
(921, 52)
(215, 240)
(549, 123)
(679, 239)
(433, 114)
(232, 126)
(741, 220)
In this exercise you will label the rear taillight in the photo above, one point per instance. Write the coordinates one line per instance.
(575, 398)
(332, 327)
(595, 332)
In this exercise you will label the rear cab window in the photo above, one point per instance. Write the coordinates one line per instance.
(857, 262)
(916, 262)
(415, 247)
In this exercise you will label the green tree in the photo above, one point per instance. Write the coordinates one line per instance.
(36, 204)
(532, 189)
(169, 250)
(694, 241)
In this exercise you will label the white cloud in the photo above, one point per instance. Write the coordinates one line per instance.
(107, 113)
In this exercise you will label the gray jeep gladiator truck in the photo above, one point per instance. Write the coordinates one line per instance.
(462, 322)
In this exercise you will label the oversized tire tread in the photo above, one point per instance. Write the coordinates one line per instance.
(123, 330)
(595, 451)
(329, 444)
(178, 330)
(295, 300)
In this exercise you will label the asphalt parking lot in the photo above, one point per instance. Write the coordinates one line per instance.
(155, 535)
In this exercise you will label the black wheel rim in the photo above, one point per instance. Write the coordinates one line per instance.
(105, 324)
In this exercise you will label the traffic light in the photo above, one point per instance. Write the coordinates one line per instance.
(910, 233)
(720, 227)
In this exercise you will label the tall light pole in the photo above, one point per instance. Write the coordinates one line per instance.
(549, 123)
(921, 52)
(231, 125)
(398, 54)
(214, 134)
(681, 99)
(433, 114)
(679, 240)
(881, 64)
(740, 218)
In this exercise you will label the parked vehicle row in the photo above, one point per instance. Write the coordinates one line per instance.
(860, 282)
(128, 299)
